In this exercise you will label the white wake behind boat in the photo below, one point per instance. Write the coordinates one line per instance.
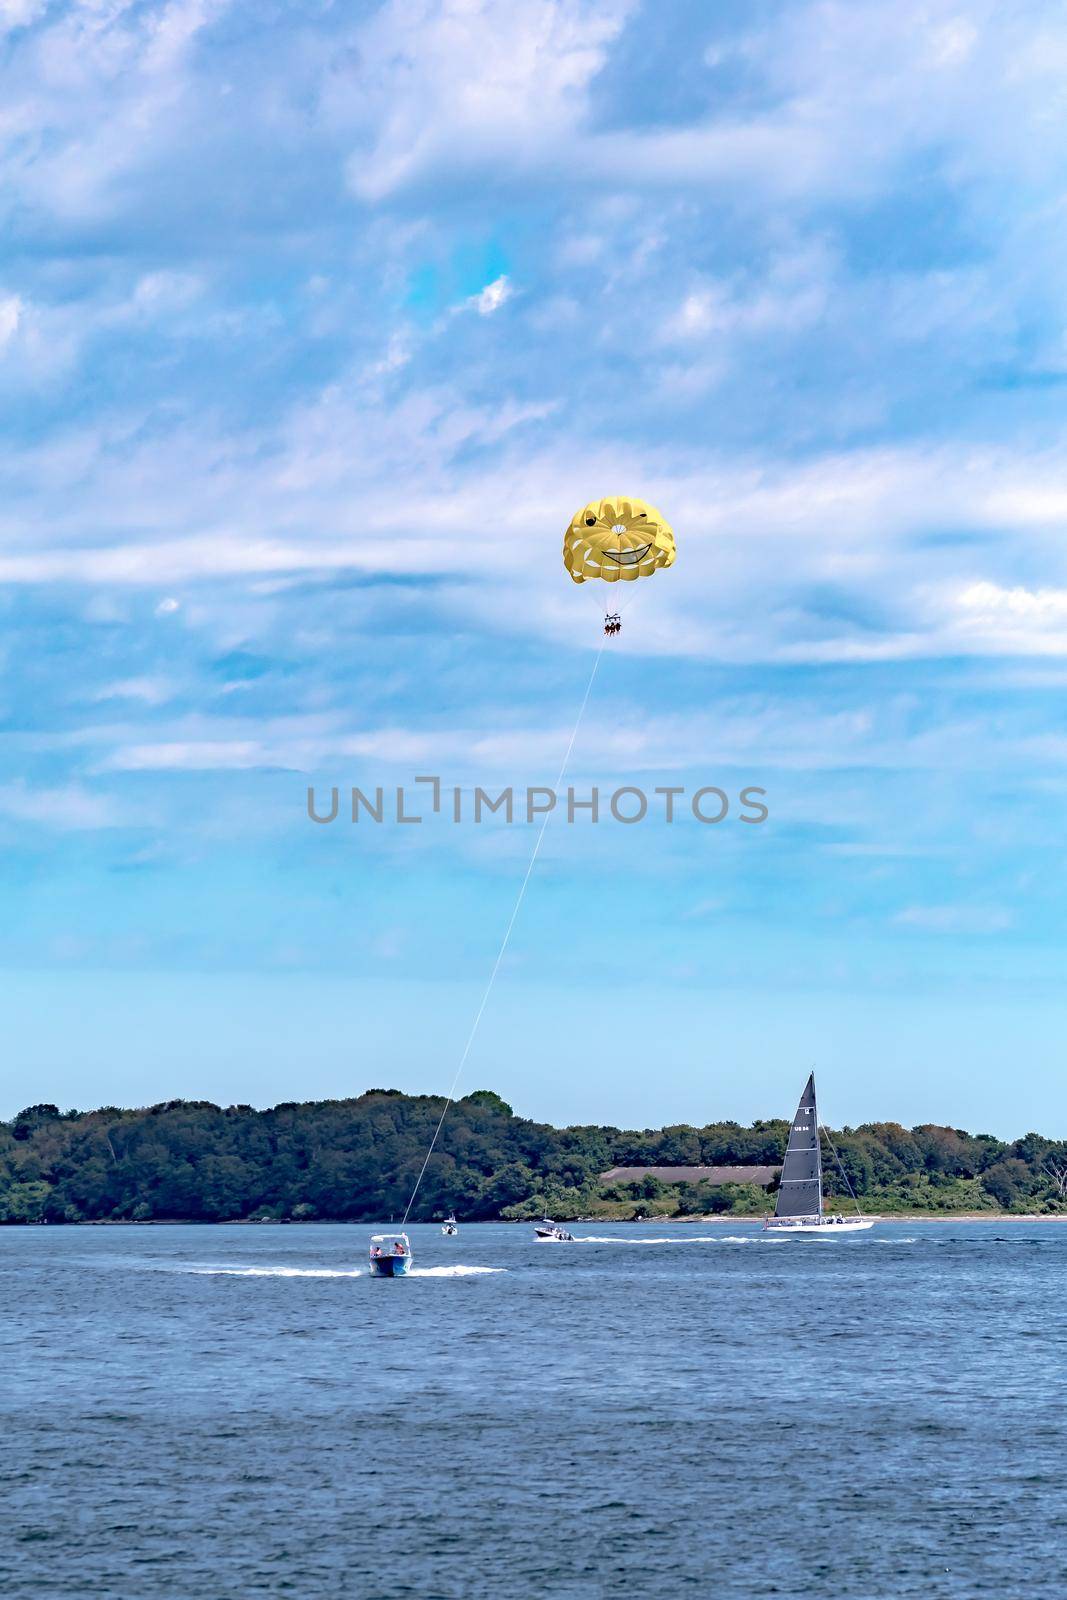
(798, 1210)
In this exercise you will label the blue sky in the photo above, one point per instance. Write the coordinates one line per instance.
(317, 323)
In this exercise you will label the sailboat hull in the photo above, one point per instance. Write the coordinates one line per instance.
(816, 1230)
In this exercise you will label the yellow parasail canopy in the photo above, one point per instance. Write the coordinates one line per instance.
(618, 538)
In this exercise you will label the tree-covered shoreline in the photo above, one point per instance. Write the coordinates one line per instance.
(357, 1160)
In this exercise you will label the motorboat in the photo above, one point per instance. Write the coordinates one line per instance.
(547, 1229)
(798, 1210)
(390, 1255)
(450, 1227)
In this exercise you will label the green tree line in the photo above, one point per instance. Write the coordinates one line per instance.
(358, 1159)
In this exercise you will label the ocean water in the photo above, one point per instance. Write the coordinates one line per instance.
(654, 1411)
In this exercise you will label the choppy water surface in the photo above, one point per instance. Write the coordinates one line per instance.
(237, 1411)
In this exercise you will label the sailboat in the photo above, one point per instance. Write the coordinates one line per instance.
(798, 1210)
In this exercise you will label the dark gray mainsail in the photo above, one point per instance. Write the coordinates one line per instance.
(800, 1194)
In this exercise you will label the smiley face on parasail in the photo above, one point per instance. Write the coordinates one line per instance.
(617, 539)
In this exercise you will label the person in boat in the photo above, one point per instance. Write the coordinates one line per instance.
(398, 1248)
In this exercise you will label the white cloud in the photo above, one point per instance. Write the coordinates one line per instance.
(791, 295)
(146, 691)
(96, 93)
(19, 13)
(749, 734)
(398, 353)
(492, 297)
(70, 808)
(848, 94)
(164, 292)
(193, 756)
(1029, 605)
(169, 31)
(10, 317)
(465, 83)
(1015, 619)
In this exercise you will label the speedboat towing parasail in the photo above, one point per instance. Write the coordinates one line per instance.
(390, 1255)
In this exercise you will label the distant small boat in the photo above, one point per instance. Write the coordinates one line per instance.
(450, 1226)
(547, 1229)
(798, 1211)
(390, 1255)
